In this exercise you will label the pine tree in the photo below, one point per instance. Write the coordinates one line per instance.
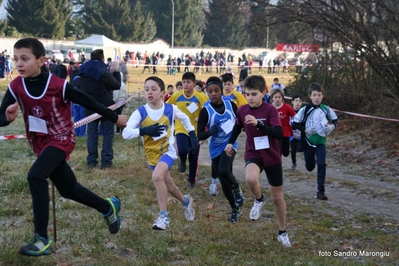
(225, 24)
(109, 17)
(162, 11)
(138, 18)
(39, 18)
(3, 25)
(187, 16)
(121, 20)
(187, 23)
(143, 26)
(288, 31)
(259, 26)
(149, 28)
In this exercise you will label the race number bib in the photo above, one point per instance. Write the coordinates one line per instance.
(261, 143)
(37, 125)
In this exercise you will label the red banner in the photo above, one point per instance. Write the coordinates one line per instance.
(286, 47)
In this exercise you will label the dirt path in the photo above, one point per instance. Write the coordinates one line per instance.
(353, 192)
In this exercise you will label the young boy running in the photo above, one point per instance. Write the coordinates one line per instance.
(312, 119)
(190, 102)
(219, 117)
(45, 102)
(285, 112)
(230, 92)
(155, 123)
(263, 128)
(296, 138)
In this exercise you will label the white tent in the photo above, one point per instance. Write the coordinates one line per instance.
(98, 40)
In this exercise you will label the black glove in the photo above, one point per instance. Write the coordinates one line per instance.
(193, 140)
(154, 130)
(213, 130)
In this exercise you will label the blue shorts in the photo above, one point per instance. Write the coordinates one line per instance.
(166, 159)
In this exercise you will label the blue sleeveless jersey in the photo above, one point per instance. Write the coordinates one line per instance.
(218, 142)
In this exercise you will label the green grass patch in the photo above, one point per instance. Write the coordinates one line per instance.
(316, 228)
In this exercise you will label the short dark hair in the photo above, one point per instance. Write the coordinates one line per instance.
(255, 82)
(189, 76)
(170, 86)
(199, 83)
(227, 77)
(159, 81)
(97, 54)
(31, 43)
(315, 87)
(296, 96)
(179, 83)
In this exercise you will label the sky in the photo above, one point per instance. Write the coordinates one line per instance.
(3, 10)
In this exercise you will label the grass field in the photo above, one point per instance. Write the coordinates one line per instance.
(320, 236)
(136, 78)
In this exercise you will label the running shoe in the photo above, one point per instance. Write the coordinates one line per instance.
(235, 215)
(38, 246)
(213, 189)
(189, 211)
(161, 223)
(256, 210)
(112, 219)
(239, 198)
(283, 238)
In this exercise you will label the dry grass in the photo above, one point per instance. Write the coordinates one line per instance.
(83, 238)
(136, 78)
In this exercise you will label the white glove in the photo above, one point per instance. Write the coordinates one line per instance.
(328, 129)
(310, 130)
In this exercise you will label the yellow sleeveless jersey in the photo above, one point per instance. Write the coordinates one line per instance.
(236, 97)
(191, 106)
(155, 148)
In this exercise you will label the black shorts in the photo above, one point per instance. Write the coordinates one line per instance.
(274, 173)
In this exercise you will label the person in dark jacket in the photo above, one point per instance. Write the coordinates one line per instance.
(243, 72)
(61, 70)
(99, 83)
(73, 72)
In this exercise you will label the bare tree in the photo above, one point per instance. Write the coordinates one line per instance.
(369, 29)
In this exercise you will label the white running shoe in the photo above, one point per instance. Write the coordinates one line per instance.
(256, 210)
(189, 211)
(213, 189)
(161, 223)
(283, 238)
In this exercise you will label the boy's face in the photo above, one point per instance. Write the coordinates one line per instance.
(153, 92)
(170, 90)
(26, 62)
(228, 87)
(188, 85)
(214, 93)
(254, 97)
(198, 88)
(179, 88)
(297, 103)
(277, 99)
(275, 81)
(316, 97)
